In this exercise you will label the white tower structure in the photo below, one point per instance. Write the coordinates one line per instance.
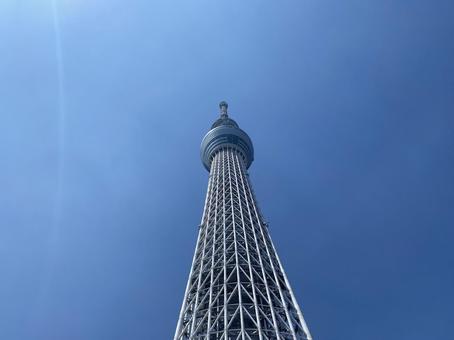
(237, 287)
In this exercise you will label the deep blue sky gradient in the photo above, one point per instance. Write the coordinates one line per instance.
(350, 105)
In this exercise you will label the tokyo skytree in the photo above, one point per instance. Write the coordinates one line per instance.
(237, 287)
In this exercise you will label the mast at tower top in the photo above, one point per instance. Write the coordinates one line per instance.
(223, 106)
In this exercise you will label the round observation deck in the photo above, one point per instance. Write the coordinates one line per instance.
(225, 132)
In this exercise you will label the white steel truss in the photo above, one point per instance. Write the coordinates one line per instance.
(237, 287)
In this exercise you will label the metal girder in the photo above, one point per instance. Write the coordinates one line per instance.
(237, 287)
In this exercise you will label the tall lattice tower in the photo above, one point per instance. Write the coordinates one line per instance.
(237, 287)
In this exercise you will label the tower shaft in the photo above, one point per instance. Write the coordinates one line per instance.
(237, 287)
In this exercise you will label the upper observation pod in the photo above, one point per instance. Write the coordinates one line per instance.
(224, 133)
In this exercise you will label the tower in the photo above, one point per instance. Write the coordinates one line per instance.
(237, 287)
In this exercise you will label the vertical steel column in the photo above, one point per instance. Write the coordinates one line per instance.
(254, 294)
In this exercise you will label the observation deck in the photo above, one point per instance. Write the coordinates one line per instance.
(225, 132)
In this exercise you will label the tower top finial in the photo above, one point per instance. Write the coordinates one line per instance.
(223, 106)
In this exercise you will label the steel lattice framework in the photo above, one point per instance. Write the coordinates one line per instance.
(237, 287)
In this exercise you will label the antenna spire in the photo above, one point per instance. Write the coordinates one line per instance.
(223, 106)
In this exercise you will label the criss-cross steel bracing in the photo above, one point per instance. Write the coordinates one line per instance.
(237, 288)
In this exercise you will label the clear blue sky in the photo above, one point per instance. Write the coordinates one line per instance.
(103, 104)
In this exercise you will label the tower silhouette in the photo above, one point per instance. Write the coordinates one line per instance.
(237, 287)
